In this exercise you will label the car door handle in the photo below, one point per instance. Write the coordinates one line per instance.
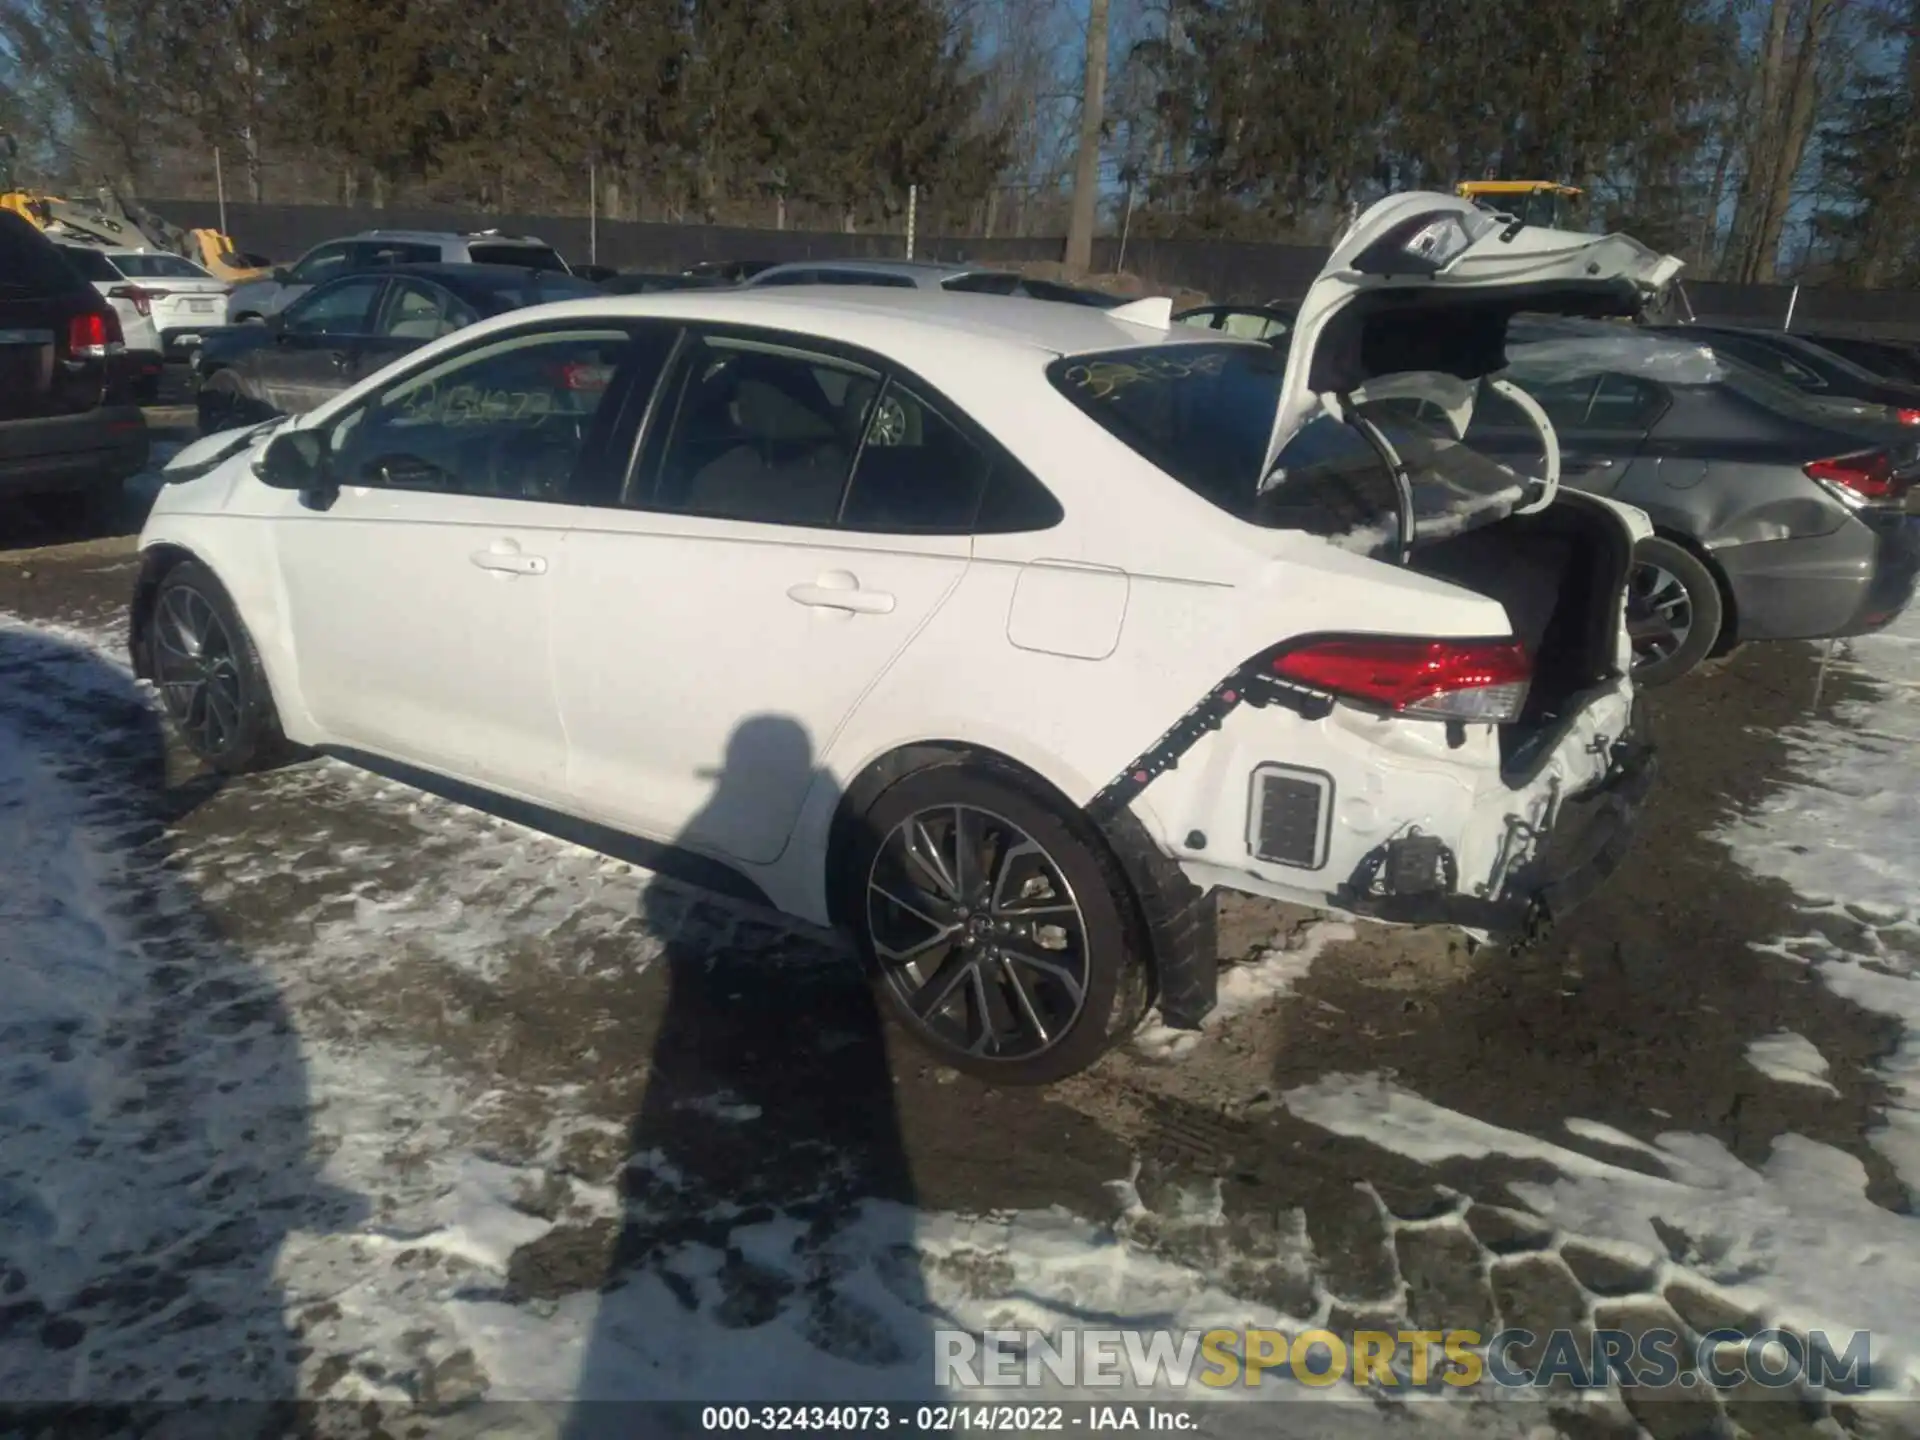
(837, 590)
(509, 562)
(1587, 462)
(339, 358)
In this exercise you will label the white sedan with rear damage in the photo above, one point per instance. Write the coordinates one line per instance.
(998, 633)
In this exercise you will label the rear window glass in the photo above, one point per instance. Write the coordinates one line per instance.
(90, 263)
(159, 267)
(1203, 413)
(863, 277)
(531, 257)
(541, 289)
(985, 282)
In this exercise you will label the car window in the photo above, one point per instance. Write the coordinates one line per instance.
(416, 310)
(510, 292)
(789, 277)
(1567, 401)
(90, 263)
(525, 257)
(320, 264)
(1768, 361)
(510, 420)
(394, 252)
(760, 432)
(337, 309)
(160, 267)
(917, 473)
(1623, 402)
(985, 282)
(1201, 319)
(1248, 325)
(862, 277)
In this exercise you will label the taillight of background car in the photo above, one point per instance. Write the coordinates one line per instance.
(142, 296)
(1866, 478)
(1483, 681)
(95, 335)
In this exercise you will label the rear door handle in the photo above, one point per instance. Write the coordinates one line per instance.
(838, 590)
(504, 558)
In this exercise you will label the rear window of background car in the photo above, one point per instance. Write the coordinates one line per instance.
(530, 257)
(159, 267)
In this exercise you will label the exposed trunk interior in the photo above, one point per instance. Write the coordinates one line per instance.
(1560, 574)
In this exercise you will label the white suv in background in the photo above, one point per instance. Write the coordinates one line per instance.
(258, 299)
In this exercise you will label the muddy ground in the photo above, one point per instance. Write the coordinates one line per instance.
(1636, 1013)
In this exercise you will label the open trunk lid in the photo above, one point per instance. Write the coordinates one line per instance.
(1413, 307)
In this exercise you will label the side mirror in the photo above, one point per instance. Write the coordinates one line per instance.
(295, 460)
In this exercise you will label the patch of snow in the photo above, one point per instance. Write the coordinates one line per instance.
(1791, 1059)
(1242, 987)
(1845, 834)
(1795, 1241)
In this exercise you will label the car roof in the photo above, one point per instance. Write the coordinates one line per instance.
(876, 317)
(496, 237)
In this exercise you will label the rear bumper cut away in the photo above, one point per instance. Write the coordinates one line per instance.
(1590, 835)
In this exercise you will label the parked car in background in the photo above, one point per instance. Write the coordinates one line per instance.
(1021, 627)
(1272, 322)
(929, 275)
(635, 282)
(731, 272)
(70, 431)
(351, 326)
(182, 298)
(1807, 367)
(1774, 518)
(142, 357)
(259, 299)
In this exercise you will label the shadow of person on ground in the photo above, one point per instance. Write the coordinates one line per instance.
(152, 1088)
(767, 1246)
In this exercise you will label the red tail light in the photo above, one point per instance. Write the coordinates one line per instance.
(1863, 479)
(1907, 417)
(95, 335)
(1478, 680)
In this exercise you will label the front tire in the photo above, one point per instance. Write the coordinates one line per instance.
(1674, 611)
(996, 928)
(208, 673)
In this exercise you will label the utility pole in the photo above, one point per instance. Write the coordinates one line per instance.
(1086, 170)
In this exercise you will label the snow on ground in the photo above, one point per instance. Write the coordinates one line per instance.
(238, 1165)
(1795, 1241)
(1791, 1059)
(1268, 976)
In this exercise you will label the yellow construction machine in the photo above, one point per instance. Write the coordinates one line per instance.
(1545, 203)
(109, 221)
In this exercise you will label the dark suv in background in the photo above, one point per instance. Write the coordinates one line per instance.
(69, 428)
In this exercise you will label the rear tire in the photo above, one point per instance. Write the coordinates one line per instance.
(211, 683)
(1674, 611)
(996, 929)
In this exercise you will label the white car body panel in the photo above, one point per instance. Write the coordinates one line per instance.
(612, 683)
